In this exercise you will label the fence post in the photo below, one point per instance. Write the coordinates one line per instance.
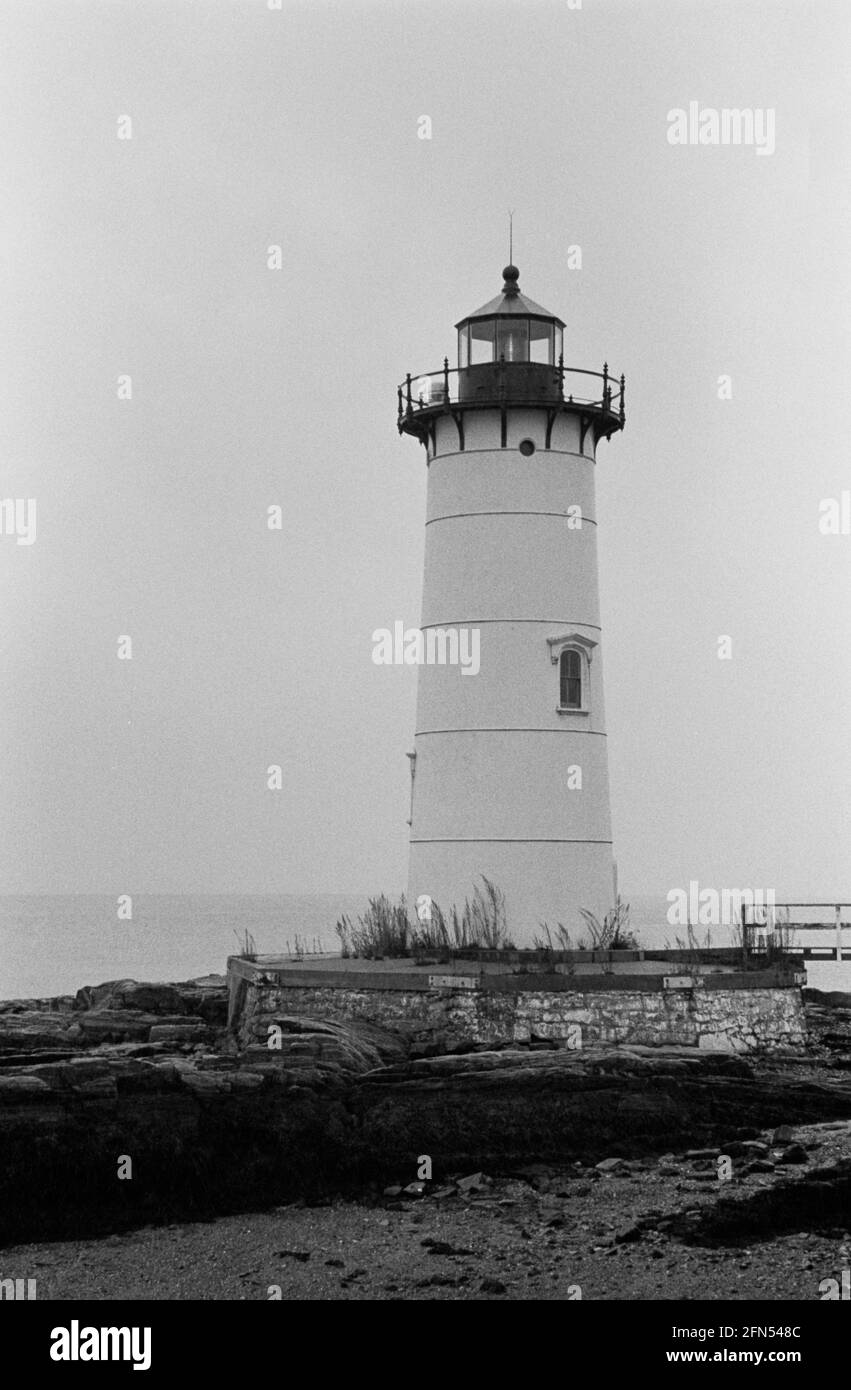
(838, 910)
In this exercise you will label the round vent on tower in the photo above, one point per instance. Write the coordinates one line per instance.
(527, 446)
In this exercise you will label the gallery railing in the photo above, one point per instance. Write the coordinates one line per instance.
(770, 925)
(496, 384)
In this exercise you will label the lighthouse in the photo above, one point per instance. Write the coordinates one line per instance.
(509, 770)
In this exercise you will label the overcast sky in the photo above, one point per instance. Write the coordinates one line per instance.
(252, 387)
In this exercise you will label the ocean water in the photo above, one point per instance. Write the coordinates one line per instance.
(56, 944)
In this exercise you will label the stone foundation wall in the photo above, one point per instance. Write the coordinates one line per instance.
(724, 1020)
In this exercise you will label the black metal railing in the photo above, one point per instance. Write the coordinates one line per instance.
(776, 929)
(495, 384)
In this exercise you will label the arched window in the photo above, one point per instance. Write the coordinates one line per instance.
(570, 679)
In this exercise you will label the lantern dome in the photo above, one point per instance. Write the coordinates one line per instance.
(511, 327)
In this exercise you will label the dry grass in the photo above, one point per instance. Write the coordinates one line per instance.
(613, 933)
(385, 929)
(247, 945)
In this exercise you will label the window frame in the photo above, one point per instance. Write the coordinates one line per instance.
(464, 347)
(566, 679)
(500, 326)
(549, 360)
(516, 327)
(584, 648)
(480, 339)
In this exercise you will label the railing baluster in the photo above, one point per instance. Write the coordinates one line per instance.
(430, 398)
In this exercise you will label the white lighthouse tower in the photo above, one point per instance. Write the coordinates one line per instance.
(509, 770)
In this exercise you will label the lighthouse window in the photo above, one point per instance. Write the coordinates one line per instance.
(512, 340)
(570, 680)
(463, 347)
(481, 342)
(540, 341)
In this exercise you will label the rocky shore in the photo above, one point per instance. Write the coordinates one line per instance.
(150, 1073)
(638, 1230)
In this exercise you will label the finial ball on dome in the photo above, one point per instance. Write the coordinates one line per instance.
(511, 273)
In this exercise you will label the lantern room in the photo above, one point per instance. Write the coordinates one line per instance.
(509, 355)
(510, 328)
